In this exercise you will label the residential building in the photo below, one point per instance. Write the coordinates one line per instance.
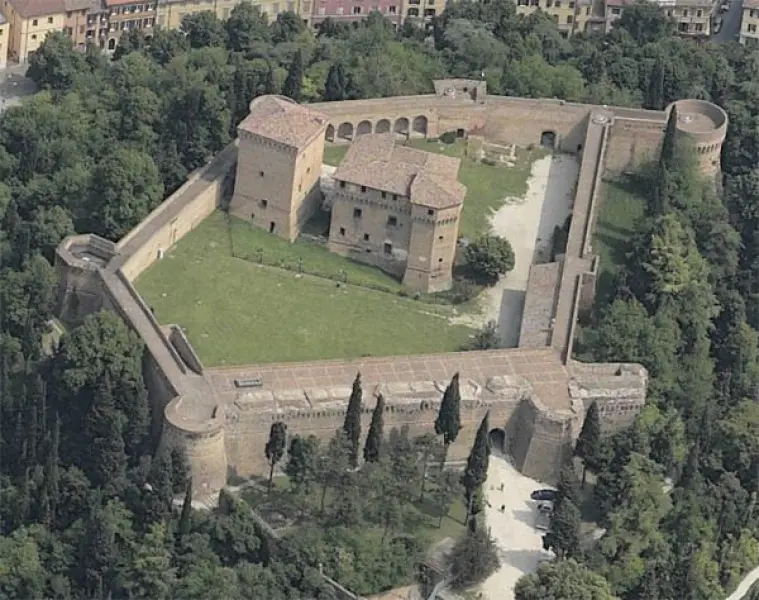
(571, 16)
(171, 12)
(397, 208)
(76, 21)
(4, 34)
(350, 10)
(693, 17)
(29, 22)
(124, 15)
(750, 22)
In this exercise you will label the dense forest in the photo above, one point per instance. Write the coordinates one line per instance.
(85, 495)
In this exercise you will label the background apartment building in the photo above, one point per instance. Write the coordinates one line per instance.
(349, 10)
(571, 16)
(29, 22)
(693, 18)
(749, 33)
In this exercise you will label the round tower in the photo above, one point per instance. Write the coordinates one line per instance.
(704, 124)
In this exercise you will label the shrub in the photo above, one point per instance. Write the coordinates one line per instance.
(489, 257)
(449, 137)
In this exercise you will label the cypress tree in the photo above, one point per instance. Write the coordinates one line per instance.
(655, 91)
(294, 81)
(476, 471)
(52, 473)
(184, 519)
(567, 487)
(564, 533)
(336, 83)
(448, 421)
(665, 167)
(352, 423)
(107, 458)
(275, 447)
(373, 446)
(587, 445)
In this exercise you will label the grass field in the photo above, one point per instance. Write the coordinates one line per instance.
(237, 312)
(487, 186)
(622, 209)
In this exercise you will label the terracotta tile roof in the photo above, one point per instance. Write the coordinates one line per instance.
(283, 120)
(750, 4)
(426, 178)
(38, 8)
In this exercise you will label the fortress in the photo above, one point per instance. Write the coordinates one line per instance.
(536, 393)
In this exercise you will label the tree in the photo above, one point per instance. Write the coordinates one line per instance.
(108, 460)
(352, 422)
(336, 84)
(203, 29)
(474, 558)
(333, 464)
(246, 26)
(476, 471)
(126, 187)
(587, 445)
(567, 580)
(664, 184)
(55, 65)
(444, 493)
(148, 574)
(302, 461)
(448, 421)
(373, 445)
(22, 574)
(294, 82)
(488, 257)
(184, 520)
(275, 447)
(426, 445)
(567, 487)
(563, 536)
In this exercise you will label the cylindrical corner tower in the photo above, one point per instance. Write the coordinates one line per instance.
(203, 442)
(705, 125)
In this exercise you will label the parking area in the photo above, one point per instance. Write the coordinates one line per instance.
(14, 86)
(512, 516)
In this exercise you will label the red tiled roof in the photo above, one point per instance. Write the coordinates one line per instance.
(283, 120)
(38, 8)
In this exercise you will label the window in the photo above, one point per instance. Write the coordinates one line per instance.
(391, 9)
(395, 196)
(366, 237)
(34, 22)
(387, 248)
(264, 203)
(440, 237)
(569, 19)
(669, 12)
(752, 28)
(430, 212)
(685, 12)
(68, 14)
(413, 12)
(682, 27)
(50, 19)
(363, 188)
(429, 12)
(392, 221)
(440, 260)
(571, 5)
(384, 195)
(342, 231)
(615, 11)
(357, 213)
(260, 173)
(699, 26)
(557, 4)
(34, 36)
(356, 10)
(342, 184)
(699, 13)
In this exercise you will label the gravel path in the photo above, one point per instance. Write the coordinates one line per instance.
(520, 545)
(528, 224)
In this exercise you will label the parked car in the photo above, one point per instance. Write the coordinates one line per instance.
(724, 7)
(543, 516)
(540, 495)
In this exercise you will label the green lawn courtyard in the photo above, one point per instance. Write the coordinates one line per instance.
(488, 186)
(622, 210)
(238, 312)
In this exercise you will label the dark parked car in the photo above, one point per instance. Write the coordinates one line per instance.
(541, 495)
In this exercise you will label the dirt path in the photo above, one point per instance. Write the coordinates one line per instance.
(528, 224)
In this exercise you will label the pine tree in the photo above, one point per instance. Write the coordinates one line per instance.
(352, 423)
(373, 445)
(275, 447)
(302, 462)
(564, 532)
(474, 557)
(476, 471)
(294, 81)
(336, 83)
(448, 421)
(588, 442)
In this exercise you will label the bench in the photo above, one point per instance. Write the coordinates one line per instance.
(252, 382)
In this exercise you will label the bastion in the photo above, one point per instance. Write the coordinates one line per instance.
(536, 394)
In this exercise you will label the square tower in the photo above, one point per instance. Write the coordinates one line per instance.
(278, 166)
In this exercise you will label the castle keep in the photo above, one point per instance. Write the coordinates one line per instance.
(536, 393)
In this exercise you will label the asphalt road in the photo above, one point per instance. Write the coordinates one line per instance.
(731, 23)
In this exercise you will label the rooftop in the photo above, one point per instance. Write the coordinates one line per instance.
(428, 179)
(283, 120)
(38, 8)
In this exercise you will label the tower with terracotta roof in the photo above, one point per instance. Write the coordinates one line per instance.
(279, 164)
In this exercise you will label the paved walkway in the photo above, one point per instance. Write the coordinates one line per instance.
(744, 587)
(520, 545)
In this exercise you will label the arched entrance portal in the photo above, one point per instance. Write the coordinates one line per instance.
(401, 126)
(363, 128)
(420, 125)
(329, 135)
(383, 126)
(548, 139)
(497, 441)
(345, 131)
